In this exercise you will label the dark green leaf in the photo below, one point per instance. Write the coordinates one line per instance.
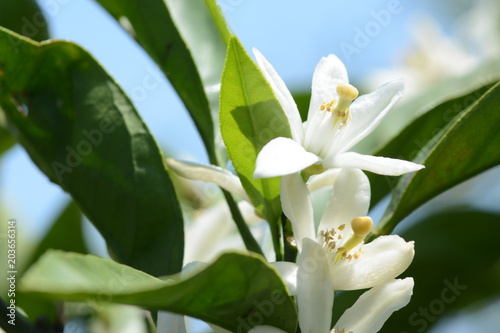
(83, 132)
(24, 17)
(302, 99)
(251, 117)
(236, 292)
(21, 324)
(415, 136)
(6, 139)
(183, 40)
(455, 265)
(454, 149)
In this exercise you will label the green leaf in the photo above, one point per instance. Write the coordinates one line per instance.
(83, 132)
(458, 249)
(425, 129)
(6, 139)
(466, 146)
(22, 325)
(236, 292)
(24, 17)
(218, 18)
(302, 99)
(250, 117)
(183, 40)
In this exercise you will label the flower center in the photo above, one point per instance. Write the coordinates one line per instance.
(340, 109)
(361, 227)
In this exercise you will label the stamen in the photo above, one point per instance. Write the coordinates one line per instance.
(347, 93)
(361, 226)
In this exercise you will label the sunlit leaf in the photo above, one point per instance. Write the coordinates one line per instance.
(250, 117)
(218, 18)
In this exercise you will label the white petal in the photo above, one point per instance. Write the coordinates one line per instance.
(297, 206)
(210, 174)
(265, 329)
(324, 179)
(288, 272)
(207, 230)
(282, 94)
(374, 307)
(314, 288)
(376, 164)
(282, 156)
(170, 322)
(350, 198)
(381, 261)
(218, 329)
(367, 112)
(329, 72)
(248, 212)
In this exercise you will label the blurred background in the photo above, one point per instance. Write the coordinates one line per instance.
(440, 48)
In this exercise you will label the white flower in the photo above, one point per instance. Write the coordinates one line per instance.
(333, 126)
(433, 58)
(212, 232)
(335, 258)
(370, 311)
(374, 307)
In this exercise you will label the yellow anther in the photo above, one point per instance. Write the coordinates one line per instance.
(347, 91)
(362, 225)
(342, 227)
